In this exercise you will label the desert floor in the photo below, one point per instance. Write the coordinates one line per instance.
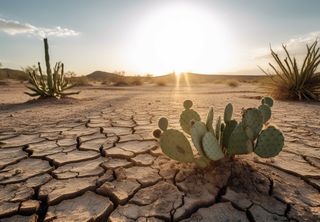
(93, 157)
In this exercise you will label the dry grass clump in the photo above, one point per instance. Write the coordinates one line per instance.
(123, 81)
(3, 83)
(288, 81)
(233, 83)
(80, 81)
(161, 83)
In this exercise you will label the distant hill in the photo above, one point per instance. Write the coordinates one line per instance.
(101, 76)
(203, 78)
(13, 74)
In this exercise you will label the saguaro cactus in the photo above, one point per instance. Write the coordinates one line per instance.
(252, 134)
(52, 84)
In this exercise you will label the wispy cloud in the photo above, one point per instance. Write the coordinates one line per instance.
(296, 45)
(14, 28)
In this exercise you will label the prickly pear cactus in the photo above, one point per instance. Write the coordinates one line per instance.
(198, 131)
(209, 121)
(163, 123)
(230, 126)
(187, 116)
(239, 142)
(211, 147)
(174, 144)
(252, 134)
(266, 112)
(253, 119)
(218, 129)
(228, 113)
(267, 101)
(269, 143)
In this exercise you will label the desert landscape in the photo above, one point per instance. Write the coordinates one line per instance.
(179, 134)
(93, 157)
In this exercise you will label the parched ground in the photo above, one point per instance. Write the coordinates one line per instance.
(93, 158)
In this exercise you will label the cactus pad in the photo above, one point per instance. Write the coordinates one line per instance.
(209, 121)
(211, 147)
(253, 118)
(230, 126)
(228, 113)
(267, 101)
(239, 142)
(187, 104)
(163, 123)
(269, 143)
(187, 116)
(157, 133)
(266, 112)
(176, 146)
(218, 128)
(198, 130)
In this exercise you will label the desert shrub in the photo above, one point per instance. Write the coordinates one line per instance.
(136, 82)
(53, 84)
(233, 83)
(161, 83)
(288, 81)
(120, 82)
(80, 81)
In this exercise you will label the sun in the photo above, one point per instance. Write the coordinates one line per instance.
(179, 37)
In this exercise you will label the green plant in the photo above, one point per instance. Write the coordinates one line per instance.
(224, 139)
(53, 84)
(288, 81)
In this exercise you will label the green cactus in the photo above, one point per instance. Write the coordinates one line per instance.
(198, 131)
(228, 113)
(269, 142)
(211, 147)
(218, 129)
(187, 116)
(253, 119)
(174, 144)
(209, 121)
(230, 126)
(228, 139)
(239, 142)
(53, 84)
(267, 101)
(266, 112)
(163, 123)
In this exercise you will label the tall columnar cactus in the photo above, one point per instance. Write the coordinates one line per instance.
(52, 84)
(252, 134)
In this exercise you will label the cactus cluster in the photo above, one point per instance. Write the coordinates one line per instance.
(224, 140)
(52, 84)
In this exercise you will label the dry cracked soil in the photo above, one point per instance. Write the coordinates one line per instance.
(93, 158)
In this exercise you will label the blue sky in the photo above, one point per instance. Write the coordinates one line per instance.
(155, 36)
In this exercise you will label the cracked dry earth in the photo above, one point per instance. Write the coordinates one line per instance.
(94, 159)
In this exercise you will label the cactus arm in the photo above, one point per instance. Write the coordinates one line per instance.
(228, 113)
(212, 147)
(218, 129)
(209, 121)
(198, 130)
(49, 72)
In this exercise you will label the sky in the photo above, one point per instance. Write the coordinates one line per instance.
(155, 36)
